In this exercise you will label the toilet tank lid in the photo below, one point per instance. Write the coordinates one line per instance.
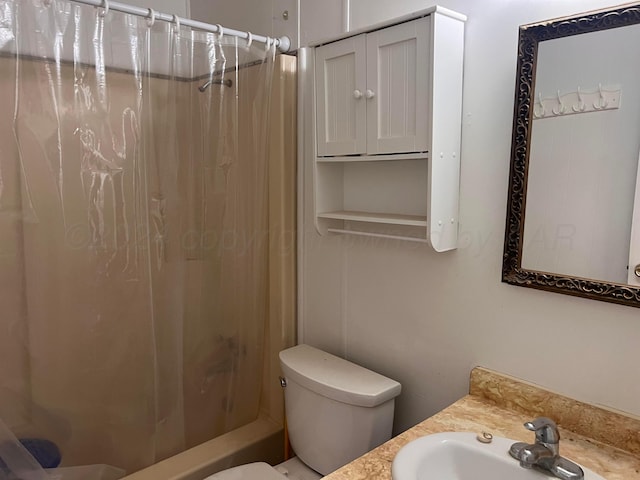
(336, 378)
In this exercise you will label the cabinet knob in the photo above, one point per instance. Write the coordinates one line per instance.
(369, 94)
(357, 94)
(637, 270)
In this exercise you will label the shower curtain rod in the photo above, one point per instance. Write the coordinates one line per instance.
(283, 43)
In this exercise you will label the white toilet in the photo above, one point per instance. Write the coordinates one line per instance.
(336, 411)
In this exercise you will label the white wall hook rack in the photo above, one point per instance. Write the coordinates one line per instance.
(580, 101)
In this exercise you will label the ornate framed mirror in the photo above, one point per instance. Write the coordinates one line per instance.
(573, 214)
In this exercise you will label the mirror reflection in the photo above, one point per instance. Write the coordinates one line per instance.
(583, 159)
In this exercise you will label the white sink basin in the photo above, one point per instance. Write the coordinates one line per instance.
(460, 456)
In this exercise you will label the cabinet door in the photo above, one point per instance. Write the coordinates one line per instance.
(398, 86)
(340, 103)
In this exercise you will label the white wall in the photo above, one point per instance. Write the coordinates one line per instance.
(257, 16)
(427, 319)
(308, 20)
(177, 7)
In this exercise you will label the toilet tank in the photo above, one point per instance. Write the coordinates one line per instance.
(336, 410)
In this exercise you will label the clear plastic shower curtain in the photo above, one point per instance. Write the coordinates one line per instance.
(133, 231)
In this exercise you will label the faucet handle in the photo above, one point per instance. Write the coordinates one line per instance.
(546, 430)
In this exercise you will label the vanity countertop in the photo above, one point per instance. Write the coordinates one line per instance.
(500, 405)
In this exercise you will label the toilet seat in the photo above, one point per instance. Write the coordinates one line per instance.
(250, 471)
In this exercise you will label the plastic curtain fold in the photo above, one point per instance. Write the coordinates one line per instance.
(133, 231)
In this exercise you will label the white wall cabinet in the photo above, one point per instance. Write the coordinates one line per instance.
(369, 94)
(387, 128)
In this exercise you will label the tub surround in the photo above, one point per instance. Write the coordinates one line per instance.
(605, 441)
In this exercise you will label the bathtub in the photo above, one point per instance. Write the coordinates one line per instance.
(260, 440)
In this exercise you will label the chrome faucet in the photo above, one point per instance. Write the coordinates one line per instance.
(544, 454)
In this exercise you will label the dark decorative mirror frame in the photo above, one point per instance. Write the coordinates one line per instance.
(512, 272)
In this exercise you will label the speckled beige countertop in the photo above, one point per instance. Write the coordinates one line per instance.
(605, 441)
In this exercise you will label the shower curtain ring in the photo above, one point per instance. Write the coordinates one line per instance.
(267, 44)
(151, 18)
(176, 20)
(47, 3)
(249, 39)
(105, 9)
(220, 30)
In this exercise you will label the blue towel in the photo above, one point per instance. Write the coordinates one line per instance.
(45, 452)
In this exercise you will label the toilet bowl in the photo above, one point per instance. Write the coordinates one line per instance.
(250, 471)
(336, 411)
(292, 469)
